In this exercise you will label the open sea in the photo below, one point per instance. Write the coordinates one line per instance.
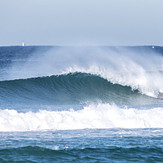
(81, 104)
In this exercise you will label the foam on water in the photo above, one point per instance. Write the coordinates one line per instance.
(90, 117)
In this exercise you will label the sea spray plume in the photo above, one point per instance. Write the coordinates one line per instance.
(139, 69)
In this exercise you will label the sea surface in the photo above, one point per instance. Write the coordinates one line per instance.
(81, 104)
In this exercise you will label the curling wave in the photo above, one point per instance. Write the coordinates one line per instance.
(72, 88)
(137, 67)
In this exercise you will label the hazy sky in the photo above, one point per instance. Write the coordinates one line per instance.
(69, 22)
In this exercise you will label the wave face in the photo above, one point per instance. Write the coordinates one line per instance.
(73, 88)
(92, 87)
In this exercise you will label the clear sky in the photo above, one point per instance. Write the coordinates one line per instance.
(71, 22)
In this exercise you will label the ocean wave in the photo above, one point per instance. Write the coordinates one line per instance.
(72, 88)
(139, 68)
(99, 116)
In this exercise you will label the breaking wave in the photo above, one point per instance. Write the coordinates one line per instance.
(73, 88)
(138, 67)
(116, 87)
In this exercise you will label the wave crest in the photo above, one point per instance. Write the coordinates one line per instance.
(138, 67)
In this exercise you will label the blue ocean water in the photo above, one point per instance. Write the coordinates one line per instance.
(81, 104)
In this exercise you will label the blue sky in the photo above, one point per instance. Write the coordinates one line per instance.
(77, 22)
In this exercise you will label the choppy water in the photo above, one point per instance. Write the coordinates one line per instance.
(81, 104)
(111, 145)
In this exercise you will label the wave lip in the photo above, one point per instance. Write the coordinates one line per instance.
(92, 117)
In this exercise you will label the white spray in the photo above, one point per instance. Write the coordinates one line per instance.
(140, 70)
(90, 117)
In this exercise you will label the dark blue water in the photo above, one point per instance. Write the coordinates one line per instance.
(113, 145)
(81, 104)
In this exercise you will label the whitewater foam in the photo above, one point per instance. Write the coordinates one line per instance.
(90, 117)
